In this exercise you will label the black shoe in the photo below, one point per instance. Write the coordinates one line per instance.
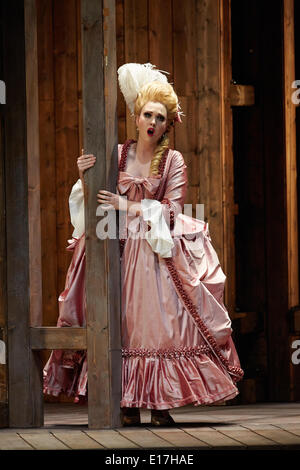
(161, 418)
(130, 416)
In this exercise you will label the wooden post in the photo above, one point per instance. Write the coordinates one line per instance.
(291, 185)
(25, 384)
(33, 164)
(227, 156)
(99, 82)
(290, 149)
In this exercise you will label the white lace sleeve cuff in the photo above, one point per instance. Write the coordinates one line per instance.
(159, 237)
(76, 206)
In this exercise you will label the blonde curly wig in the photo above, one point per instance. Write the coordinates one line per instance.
(163, 93)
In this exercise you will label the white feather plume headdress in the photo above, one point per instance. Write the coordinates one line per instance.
(132, 77)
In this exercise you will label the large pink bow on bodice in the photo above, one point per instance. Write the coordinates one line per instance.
(136, 187)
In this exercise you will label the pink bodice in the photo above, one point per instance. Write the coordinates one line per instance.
(137, 188)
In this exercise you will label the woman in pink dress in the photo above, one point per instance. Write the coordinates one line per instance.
(176, 333)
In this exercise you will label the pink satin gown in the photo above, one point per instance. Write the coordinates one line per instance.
(176, 333)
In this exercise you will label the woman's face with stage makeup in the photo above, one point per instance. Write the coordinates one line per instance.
(152, 122)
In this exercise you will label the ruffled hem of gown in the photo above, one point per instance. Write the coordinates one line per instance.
(69, 379)
(159, 383)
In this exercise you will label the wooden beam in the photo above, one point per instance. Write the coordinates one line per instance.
(226, 154)
(33, 164)
(241, 95)
(25, 371)
(51, 337)
(113, 249)
(99, 86)
(291, 156)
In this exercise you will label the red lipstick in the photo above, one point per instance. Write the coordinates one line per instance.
(150, 131)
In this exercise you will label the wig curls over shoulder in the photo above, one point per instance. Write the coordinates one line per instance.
(165, 94)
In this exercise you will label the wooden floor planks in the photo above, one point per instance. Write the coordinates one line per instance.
(261, 426)
(43, 440)
(246, 437)
(111, 439)
(12, 441)
(179, 438)
(279, 436)
(214, 439)
(145, 438)
(77, 440)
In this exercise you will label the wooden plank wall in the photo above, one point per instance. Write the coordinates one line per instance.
(168, 41)
(164, 33)
(24, 372)
(181, 41)
(33, 164)
(143, 35)
(60, 124)
(175, 37)
(47, 160)
(60, 104)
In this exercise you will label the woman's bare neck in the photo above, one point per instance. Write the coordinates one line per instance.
(138, 164)
(144, 151)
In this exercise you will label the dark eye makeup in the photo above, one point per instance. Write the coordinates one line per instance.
(159, 116)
